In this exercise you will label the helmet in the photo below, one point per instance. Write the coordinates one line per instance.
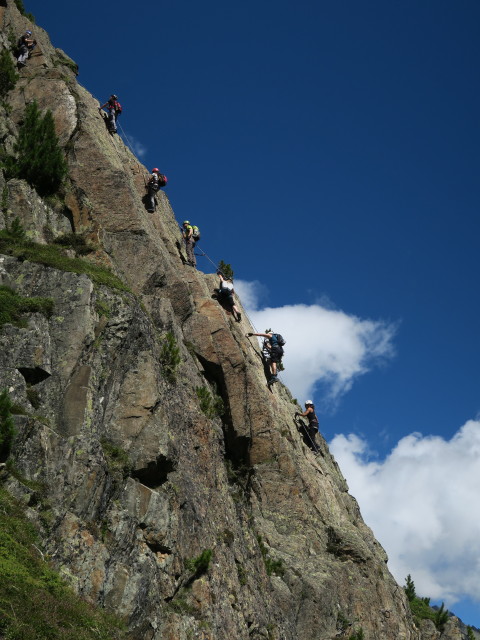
(186, 222)
(28, 33)
(307, 402)
(155, 170)
(114, 96)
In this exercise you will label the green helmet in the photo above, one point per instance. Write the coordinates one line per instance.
(186, 222)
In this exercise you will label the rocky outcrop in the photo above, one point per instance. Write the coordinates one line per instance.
(190, 520)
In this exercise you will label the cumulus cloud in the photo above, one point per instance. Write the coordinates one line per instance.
(421, 503)
(325, 346)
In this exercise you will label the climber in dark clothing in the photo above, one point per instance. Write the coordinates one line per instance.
(114, 110)
(225, 293)
(312, 427)
(26, 44)
(156, 181)
(274, 344)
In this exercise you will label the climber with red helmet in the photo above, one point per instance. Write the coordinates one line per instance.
(114, 109)
(155, 182)
(25, 45)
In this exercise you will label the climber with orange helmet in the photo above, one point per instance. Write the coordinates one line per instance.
(114, 109)
(155, 182)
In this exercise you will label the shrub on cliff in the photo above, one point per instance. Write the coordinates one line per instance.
(7, 429)
(8, 75)
(20, 6)
(38, 157)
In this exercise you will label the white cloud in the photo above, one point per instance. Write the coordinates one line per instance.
(136, 147)
(324, 346)
(421, 503)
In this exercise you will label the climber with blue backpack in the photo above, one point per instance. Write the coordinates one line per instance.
(274, 351)
(114, 109)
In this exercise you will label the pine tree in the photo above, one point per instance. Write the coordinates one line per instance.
(225, 269)
(39, 158)
(410, 589)
(8, 75)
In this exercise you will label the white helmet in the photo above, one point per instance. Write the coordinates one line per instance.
(307, 402)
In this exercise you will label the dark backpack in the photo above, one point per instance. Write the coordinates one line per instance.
(162, 180)
(118, 107)
(278, 339)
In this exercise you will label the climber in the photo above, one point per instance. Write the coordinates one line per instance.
(274, 347)
(114, 109)
(26, 44)
(225, 293)
(312, 427)
(156, 181)
(191, 236)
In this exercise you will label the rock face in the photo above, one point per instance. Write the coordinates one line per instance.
(188, 521)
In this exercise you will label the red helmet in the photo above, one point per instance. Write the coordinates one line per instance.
(155, 170)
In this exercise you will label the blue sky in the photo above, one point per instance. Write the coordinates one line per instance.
(330, 152)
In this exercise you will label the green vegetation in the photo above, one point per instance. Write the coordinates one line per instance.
(421, 608)
(14, 242)
(4, 200)
(7, 428)
(272, 566)
(8, 75)
(38, 157)
(242, 574)
(470, 634)
(200, 564)
(211, 404)
(357, 635)
(76, 242)
(170, 357)
(102, 308)
(117, 458)
(225, 269)
(66, 62)
(34, 601)
(12, 306)
(20, 6)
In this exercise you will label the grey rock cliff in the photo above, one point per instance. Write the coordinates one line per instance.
(137, 481)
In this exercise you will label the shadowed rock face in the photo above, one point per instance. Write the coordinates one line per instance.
(140, 481)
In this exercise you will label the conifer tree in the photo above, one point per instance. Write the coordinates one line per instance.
(39, 158)
(225, 269)
(8, 75)
(410, 589)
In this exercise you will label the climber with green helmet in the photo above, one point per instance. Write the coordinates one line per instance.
(188, 233)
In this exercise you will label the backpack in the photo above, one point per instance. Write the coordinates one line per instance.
(162, 180)
(278, 339)
(196, 233)
(118, 107)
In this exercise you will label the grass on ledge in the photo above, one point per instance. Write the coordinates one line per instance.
(35, 603)
(13, 306)
(52, 255)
